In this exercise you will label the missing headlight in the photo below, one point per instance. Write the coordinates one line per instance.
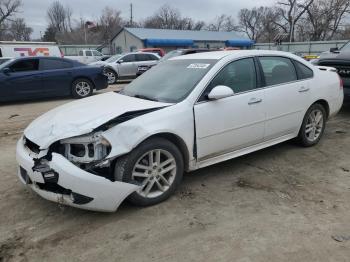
(86, 149)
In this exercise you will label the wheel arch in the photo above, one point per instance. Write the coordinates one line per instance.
(323, 103)
(111, 68)
(178, 142)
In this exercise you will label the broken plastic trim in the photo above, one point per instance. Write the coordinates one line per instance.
(124, 117)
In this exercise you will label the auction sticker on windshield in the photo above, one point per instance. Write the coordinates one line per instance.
(198, 66)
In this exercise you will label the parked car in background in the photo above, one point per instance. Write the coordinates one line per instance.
(339, 59)
(39, 77)
(179, 52)
(87, 56)
(125, 66)
(158, 51)
(188, 113)
(19, 49)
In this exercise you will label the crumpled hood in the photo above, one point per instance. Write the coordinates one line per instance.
(83, 116)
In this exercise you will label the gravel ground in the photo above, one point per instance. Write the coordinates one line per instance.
(285, 203)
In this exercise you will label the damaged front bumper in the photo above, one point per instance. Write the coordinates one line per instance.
(63, 182)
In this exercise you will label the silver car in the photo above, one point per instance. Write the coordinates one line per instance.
(125, 66)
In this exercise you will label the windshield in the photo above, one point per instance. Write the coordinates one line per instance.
(113, 59)
(171, 54)
(5, 62)
(171, 81)
(346, 47)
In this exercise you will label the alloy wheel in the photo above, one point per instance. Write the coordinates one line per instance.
(155, 171)
(83, 88)
(314, 125)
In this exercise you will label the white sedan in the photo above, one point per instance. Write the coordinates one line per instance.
(184, 114)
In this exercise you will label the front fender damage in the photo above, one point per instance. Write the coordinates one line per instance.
(72, 186)
(107, 195)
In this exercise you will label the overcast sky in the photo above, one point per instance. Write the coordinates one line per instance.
(34, 11)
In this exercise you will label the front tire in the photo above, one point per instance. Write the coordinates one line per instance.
(112, 76)
(313, 126)
(82, 88)
(156, 165)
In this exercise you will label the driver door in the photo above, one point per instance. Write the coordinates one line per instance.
(24, 80)
(234, 122)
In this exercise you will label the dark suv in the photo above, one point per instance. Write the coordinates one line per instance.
(340, 59)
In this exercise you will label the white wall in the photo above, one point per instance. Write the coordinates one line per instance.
(125, 41)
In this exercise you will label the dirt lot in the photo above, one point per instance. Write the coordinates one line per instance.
(284, 203)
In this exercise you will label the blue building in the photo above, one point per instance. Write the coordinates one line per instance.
(131, 39)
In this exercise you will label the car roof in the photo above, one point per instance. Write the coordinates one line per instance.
(218, 55)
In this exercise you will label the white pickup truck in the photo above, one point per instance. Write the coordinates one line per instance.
(87, 56)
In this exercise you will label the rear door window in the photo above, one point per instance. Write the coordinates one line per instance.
(152, 57)
(25, 65)
(278, 70)
(88, 53)
(142, 57)
(53, 64)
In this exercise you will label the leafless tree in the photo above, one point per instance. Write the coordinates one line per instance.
(16, 30)
(109, 23)
(168, 17)
(290, 12)
(251, 22)
(19, 31)
(258, 23)
(8, 8)
(59, 17)
(223, 23)
(324, 18)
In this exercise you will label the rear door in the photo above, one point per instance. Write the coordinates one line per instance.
(56, 76)
(287, 96)
(127, 66)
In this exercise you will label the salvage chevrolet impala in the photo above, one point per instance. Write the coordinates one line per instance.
(187, 113)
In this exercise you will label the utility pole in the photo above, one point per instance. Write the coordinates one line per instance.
(131, 16)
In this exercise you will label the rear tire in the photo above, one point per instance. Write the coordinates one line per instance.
(82, 88)
(313, 126)
(156, 165)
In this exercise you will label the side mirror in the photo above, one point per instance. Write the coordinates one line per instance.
(6, 71)
(120, 61)
(220, 92)
(334, 49)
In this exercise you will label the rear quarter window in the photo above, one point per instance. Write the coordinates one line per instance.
(304, 72)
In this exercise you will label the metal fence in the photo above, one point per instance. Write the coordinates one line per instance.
(302, 48)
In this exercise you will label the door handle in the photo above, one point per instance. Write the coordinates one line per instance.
(304, 89)
(253, 101)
